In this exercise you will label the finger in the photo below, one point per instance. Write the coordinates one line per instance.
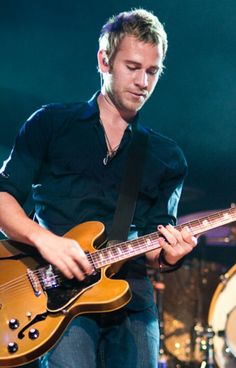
(168, 248)
(80, 258)
(168, 234)
(172, 254)
(188, 236)
(184, 237)
(176, 233)
(64, 269)
(75, 269)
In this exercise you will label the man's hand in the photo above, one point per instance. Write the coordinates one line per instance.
(176, 244)
(66, 254)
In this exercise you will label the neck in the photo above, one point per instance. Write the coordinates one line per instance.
(110, 114)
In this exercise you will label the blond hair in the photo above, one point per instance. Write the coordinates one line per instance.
(140, 23)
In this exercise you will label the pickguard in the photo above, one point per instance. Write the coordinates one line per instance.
(61, 296)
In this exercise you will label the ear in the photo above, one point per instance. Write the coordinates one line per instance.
(103, 62)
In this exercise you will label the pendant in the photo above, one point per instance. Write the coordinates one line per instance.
(106, 159)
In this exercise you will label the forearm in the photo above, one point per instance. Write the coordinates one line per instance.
(65, 254)
(152, 258)
(16, 224)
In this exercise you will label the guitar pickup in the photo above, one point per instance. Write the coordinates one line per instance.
(48, 277)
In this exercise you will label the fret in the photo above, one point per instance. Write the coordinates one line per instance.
(205, 223)
(114, 251)
(130, 248)
(108, 253)
(99, 256)
(125, 248)
(119, 250)
(210, 222)
(148, 241)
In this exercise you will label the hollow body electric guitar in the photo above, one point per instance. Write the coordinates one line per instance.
(37, 302)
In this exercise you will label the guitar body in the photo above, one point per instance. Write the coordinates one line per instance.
(31, 319)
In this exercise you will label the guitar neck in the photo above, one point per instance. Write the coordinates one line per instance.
(146, 243)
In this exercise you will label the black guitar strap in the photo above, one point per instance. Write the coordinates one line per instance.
(133, 172)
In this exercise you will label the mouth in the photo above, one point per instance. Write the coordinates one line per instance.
(138, 95)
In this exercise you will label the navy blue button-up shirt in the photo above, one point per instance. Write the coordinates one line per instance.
(59, 153)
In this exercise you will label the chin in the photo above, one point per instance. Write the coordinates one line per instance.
(133, 108)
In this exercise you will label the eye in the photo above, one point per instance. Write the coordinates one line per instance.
(131, 67)
(152, 71)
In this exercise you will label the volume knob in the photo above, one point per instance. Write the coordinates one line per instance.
(13, 324)
(33, 333)
(12, 347)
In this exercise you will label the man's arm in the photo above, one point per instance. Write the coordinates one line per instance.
(65, 254)
(174, 244)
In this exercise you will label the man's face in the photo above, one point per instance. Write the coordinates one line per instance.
(133, 74)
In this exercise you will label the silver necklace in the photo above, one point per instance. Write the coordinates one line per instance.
(111, 152)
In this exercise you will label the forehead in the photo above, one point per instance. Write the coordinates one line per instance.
(130, 48)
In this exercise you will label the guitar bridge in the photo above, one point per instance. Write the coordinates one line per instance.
(33, 278)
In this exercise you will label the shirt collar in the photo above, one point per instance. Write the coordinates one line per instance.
(91, 108)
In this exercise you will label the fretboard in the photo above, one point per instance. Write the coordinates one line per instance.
(146, 243)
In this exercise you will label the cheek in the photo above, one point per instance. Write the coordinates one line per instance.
(122, 76)
(119, 82)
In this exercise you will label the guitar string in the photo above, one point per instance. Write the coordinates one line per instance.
(23, 282)
(23, 279)
(94, 255)
(97, 261)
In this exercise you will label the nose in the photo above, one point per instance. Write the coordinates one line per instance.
(141, 79)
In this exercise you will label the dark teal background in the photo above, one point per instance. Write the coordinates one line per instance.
(48, 54)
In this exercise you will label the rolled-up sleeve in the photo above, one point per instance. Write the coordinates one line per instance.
(22, 167)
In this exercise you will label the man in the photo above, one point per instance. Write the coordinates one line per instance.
(74, 156)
